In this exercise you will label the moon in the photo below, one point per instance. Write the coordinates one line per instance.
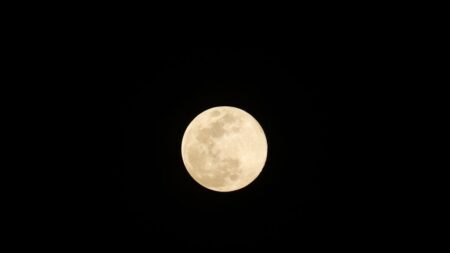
(224, 149)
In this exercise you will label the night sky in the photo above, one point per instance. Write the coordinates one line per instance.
(140, 192)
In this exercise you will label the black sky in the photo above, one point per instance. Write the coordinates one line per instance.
(139, 190)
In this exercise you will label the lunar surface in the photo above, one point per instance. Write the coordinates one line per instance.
(224, 149)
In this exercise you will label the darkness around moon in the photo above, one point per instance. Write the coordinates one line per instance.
(142, 193)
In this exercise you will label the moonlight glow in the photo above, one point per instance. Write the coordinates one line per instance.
(224, 149)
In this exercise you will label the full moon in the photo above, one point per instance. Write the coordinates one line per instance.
(224, 149)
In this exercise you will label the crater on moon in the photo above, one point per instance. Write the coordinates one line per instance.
(224, 148)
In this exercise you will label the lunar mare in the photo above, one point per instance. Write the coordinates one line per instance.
(224, 148)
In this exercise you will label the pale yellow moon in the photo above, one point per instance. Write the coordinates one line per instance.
(224, 148)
